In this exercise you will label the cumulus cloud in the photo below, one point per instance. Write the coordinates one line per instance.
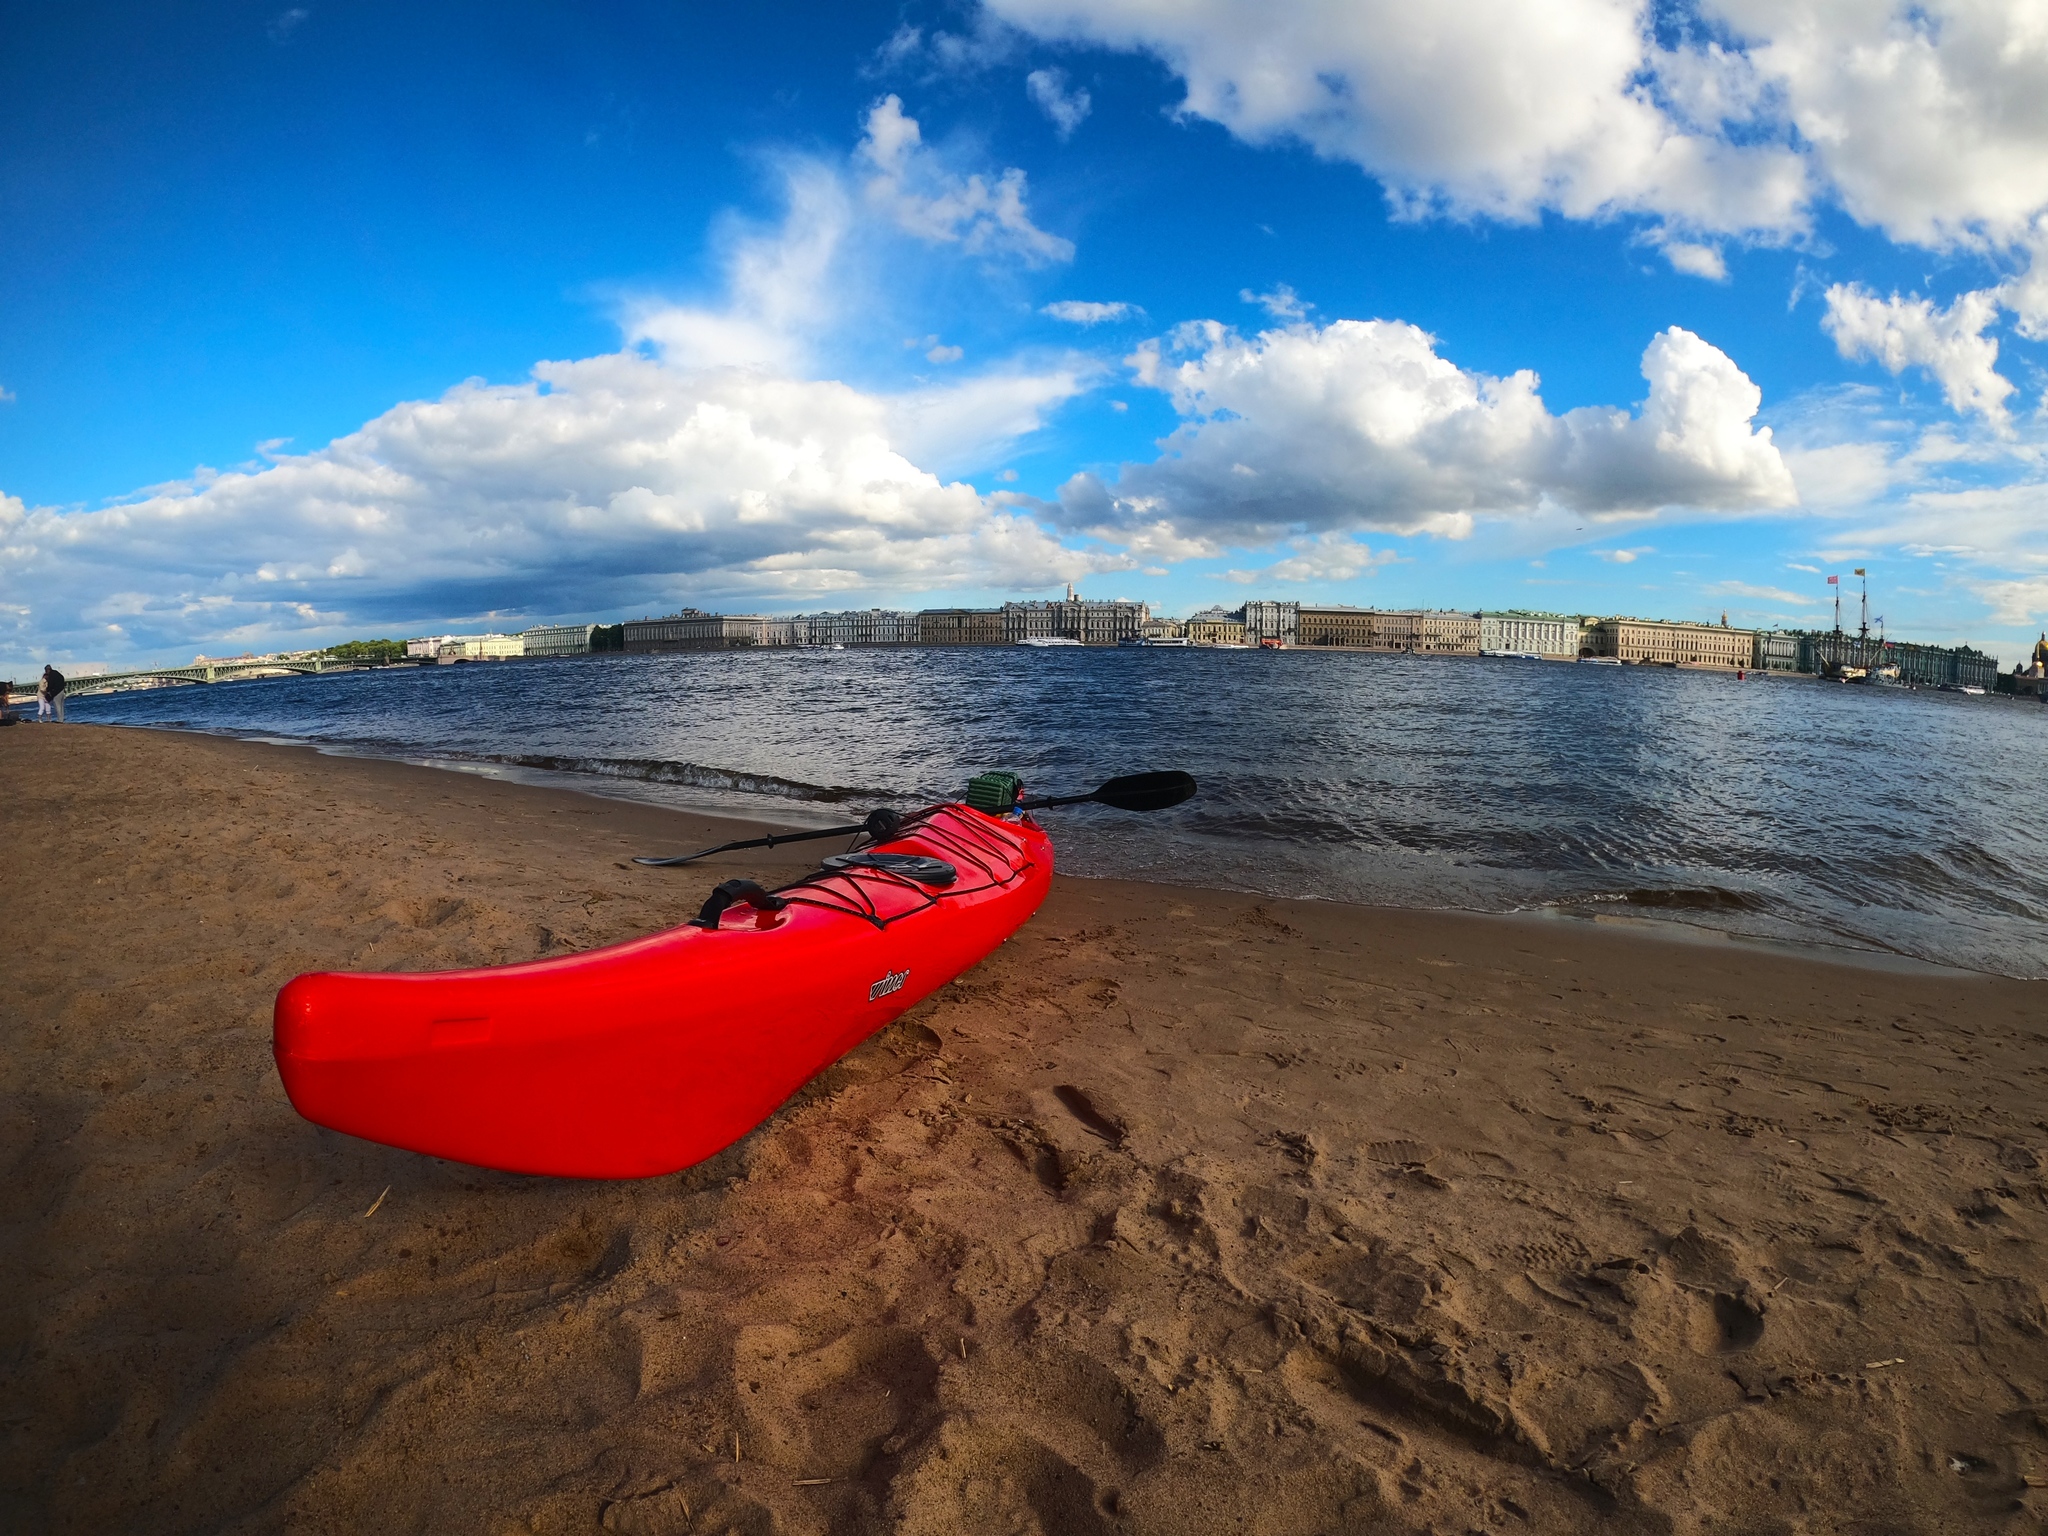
(777, 295)
(1698, 260)
(1623, 556)
(2027, 294)
(1323, 557)
(1485, 107)
(1929, 120)
(1925, 118)
(1949, 343)
(909, 183)
(1067, 109)
(596, 478)
(1083, 312)
(707, 462)
(1362, 425)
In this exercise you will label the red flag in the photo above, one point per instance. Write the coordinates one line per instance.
(1834, 581)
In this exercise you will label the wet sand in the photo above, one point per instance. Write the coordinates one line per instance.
(1186, 1212)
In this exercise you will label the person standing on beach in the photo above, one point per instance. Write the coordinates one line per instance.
(50, 695)
(6, 698)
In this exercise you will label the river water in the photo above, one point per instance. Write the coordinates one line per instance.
(1788, 809)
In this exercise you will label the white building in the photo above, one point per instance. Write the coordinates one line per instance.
(1271, 623)
(870, 626)
(557, 639)
(1518, 632)
(466, 647)
(1086, 620)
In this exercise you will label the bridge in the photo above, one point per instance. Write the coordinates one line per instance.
(201, 672)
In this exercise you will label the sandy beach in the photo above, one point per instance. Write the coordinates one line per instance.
(1186, 1212)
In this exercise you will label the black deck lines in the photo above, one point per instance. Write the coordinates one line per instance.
(848, 890)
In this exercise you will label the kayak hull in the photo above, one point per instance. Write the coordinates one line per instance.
(646, 1057)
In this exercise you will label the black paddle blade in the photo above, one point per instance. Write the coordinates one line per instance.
(1146, 791)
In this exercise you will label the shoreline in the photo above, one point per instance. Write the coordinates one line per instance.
(718, 807)
(1182, 1210)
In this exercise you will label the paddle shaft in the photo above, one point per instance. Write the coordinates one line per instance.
(1137, 792)
(773, 840)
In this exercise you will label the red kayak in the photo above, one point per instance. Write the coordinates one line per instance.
(649, 1056)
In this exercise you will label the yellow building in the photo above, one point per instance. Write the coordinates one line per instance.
(1207, 631)
(1376, 629)
(1673, 644)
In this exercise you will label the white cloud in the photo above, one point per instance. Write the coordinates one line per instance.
(1067, 109)
(966, 422)
(945, 354)
(908, 182)
(610, 479)
(1487, 107)
(2027, 294)
(1361, 425)
(2022, 602)
(1928, 117)
(777, 293)
(280, 27)
(1283, 303)
(940, 53)
(1695, 259)
(1324, 557)
(1622, 556)
(1084, 312)
(1925, 118)
(706, 463)
(1764, 594)
(1949, 343)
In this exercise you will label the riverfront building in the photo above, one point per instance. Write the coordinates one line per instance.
(1778, 650)
(465, 648)
(1271, 623)
(1090, 621)
(1379, 629)
(1519, 632)
(558, 639)
(692, 630)
(960, 626)
(1215, 626)
(1674, 644)
(869, 626)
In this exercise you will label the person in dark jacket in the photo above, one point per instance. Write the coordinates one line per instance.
(50, 695)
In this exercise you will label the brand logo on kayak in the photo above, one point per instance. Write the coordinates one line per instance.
(893, 982)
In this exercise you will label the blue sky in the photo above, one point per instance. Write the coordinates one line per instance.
(332, 320)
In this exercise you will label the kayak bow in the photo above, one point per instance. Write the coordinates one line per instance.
(645, 1057)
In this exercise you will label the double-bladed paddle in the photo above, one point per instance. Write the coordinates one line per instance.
(1132, 792)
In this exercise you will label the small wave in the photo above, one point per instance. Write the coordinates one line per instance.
(660, 771)
(1711, 898)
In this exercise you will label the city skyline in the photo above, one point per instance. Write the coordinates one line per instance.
(482, 320)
